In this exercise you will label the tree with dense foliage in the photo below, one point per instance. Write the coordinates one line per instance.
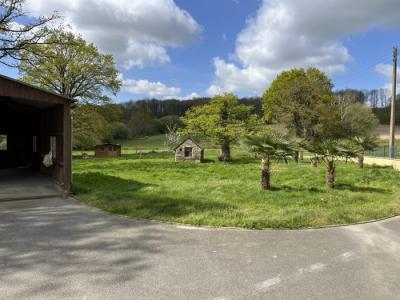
(297, 98)
(15, 37)
(90, 128)
(270, 146)
(111, 112)
(224, 121)
(68, 65)
(119, 131)
(358, 120)
(142, 123)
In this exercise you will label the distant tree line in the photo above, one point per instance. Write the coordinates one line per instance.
(112, 122)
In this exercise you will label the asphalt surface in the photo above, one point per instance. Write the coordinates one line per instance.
(61, 249)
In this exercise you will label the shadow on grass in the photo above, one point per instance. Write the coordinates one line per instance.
(148, 155)
(244, 160)
(338, 186)
(132, 198)
(297, 189)
(208, 161)
(353, 188)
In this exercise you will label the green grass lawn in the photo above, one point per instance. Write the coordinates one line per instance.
(154, 143)
(153, 186)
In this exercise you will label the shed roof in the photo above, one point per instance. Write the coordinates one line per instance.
(186, 139)
(24, 92)
(108, 144)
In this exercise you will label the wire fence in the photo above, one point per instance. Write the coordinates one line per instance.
(382, 151)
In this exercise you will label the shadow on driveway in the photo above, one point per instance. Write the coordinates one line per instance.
(60, 241)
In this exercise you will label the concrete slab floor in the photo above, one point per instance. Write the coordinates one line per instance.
(16, 184)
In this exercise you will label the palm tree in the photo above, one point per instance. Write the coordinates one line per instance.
(362, 144)
(270, 146)
(329, 151)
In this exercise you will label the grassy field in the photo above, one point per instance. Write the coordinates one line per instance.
(153, 186)
(140, 145)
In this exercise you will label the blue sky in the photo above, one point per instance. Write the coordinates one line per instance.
(187, 48)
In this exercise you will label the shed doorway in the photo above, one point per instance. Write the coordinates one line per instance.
(188, 152)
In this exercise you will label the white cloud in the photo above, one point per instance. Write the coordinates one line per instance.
(386, 71)
(154, 89)
(192, 95)
(150, 89)
(137, 32)
(302, 33)
(230, 78)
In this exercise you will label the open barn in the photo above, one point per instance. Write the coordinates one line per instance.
(34, 124)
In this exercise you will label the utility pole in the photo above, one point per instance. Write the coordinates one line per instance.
(392, 142)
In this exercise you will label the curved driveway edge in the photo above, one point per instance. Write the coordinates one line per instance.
(62, 249)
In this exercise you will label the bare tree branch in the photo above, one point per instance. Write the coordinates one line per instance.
(17, 36)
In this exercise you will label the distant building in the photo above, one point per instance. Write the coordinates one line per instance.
(189, 150)
(107, 150)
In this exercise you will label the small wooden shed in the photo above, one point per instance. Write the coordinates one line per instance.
(189, 150)
(107, 150)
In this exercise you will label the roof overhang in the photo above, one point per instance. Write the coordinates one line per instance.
(21, 92)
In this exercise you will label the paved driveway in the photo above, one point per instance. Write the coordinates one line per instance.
(61, 249)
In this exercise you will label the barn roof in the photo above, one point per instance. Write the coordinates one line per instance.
(24, 92)
(186, 139)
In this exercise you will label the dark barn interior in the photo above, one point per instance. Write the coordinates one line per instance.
(34, 123)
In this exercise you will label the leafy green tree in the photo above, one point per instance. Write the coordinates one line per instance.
(297, 98)
(224, 121)
(67, 65)
(142, 123)
(358, 120)
(89, 128)
(111, 112)
(119, 131)
(270, 146)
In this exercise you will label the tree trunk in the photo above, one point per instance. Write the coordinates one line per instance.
(361, 161)
(225, 152)
(301, 155)
(296, 156)
(265, 174)
(330, 178)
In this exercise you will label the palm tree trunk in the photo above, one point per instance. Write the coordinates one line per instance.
(330, 178)
(361, 161)
(265, 174)
(296, 156)
(225, 152)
